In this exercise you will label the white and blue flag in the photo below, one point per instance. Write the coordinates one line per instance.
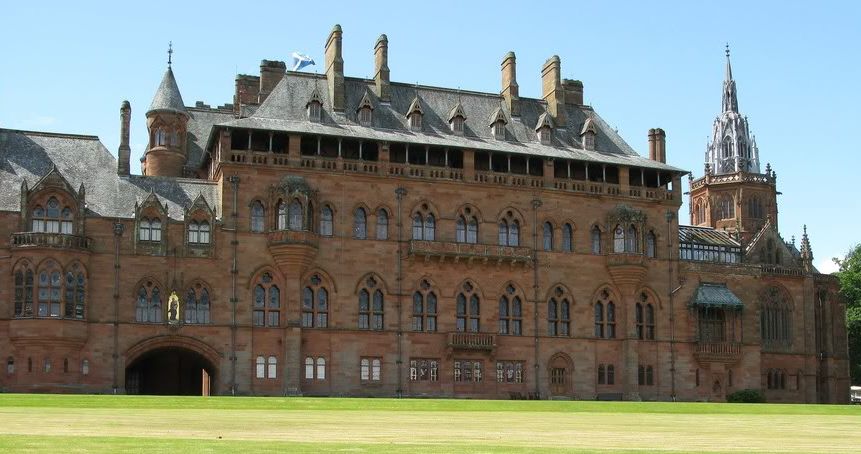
(300, 61)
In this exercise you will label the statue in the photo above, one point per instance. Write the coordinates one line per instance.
(173, 305)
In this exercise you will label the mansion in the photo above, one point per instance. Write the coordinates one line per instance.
(338, 236)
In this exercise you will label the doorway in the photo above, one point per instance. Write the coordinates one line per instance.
(170, 371)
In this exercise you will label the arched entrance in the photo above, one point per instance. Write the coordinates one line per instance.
(560, 370)
(169, 370)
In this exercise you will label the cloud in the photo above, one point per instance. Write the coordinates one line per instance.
(826, 266)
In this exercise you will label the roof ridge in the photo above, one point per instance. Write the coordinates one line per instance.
(50, 134)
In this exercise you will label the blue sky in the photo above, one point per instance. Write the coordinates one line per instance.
(68, 66)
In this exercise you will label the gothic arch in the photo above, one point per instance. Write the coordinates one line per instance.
(142, 282)
(324, 276)
(518, 289)
(134, 352)
(517, 214)
(476, 289)
(419, 207)
(255, 275)
(652, 296)
(552, 293)
(474, 211)
(361, 283)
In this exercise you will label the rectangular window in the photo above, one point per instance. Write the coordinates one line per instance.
(259, 318)
(272, 368)
(509, 371)
(274, 318)
(424, 369)
(260, 367)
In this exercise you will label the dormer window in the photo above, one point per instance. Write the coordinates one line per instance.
(414, 115)
(315, 107)
(456, 119)
(52, 219)
(365, 111)
(587, 134)
(497, 124)
(544, 128)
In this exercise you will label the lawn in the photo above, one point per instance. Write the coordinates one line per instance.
(48, 423)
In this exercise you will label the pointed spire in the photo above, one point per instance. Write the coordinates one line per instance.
(730, 100)
(167, 97)
(728, 65)
(169, 53)
(806, 250)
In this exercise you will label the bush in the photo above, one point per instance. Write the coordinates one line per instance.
(746, 396)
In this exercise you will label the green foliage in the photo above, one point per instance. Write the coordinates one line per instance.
(746, 396)
(850, 290)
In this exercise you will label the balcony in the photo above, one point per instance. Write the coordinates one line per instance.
(627, 270)
(469, 253)
(50, 240)
(293, 250)
(471, 341)
(718, 352)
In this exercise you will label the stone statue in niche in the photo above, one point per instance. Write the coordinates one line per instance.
(173, 308)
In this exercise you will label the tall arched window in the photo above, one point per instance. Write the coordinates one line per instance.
(50, 284)
(605, 316)
(315, 304)
(460, 230)
(548, 236)
(272, 367)
(618, 239)
(267, 302)
(430, 227)
(261, 367)
(644, 318)
(75, 293)
(52, 219)
(596, 240)
(360, 223)
(294, 212)
(382, 224)
(775, 317)
(651, 249)
(258, 217)
(424, 308)
(370, 311)
(558, 316)
(424, 224)
(326, 221)
(567, 238)
(632, 240)
(148, 304)
(24, 280)
(467, 309)
(197, 305)
(510, 312)
(418, 231)
(726, 207)
(509, 230)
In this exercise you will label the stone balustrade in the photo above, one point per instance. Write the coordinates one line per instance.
(51, 240)
(719, 352)
(471, 341)
(470, 252)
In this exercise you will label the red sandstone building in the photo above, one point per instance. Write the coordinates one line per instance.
(328, 235)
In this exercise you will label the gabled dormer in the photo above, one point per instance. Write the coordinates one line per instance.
(456, 119)
(151, 222)
(497, 124)
(314, 106)
(52, 205)
(768, 248)
(199, 220)
(588, 133)
(544, 128)
(415, 114)
(365, 111)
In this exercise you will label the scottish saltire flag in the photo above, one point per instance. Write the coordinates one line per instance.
(300, 61)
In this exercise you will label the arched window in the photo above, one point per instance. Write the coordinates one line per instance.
(775, 318)
(650, 322)
(148, 305)
(197, 305)
(651, 250)
(365, 115)
(258, 217)
(618, 239)
(85, 367)
(558, 316)
(52, 219)
(548, 236)
(272, 369)
(321, 368)
(726, 207)
(596, 240)
(267, 302)
(50, 284)
(499, 130)
(309, 368)
(645, 318)
(632, 243)
(315, 110)
(382, 224)
(460, 230)
(605, 316)
(24, 292)
(360, 223)
(370, 312)
(261, 367)
(510, 312)
(326, 221)
(294, 212)
(467, 309)
(75, 293)
(315, 304)
(198, 232)
(509, 230)
(567, 238)
(430, 227)
(418, 231)
(424, 224)
(424, 308)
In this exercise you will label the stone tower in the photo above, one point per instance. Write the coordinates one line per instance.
(167, 122)
(733, 194)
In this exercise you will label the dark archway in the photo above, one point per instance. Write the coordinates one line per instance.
(170, 371)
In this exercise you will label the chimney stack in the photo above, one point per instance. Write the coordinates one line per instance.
(335, 69)
(573, 92)
(653, 152)
(381, 68)
(658, 145)
(124, 152)
(271, 72)
(551, 90)
(510, 89)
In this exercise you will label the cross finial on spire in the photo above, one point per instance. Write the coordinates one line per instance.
(169, 53)
(727, 50)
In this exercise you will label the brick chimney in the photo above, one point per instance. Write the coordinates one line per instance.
(124, 152)
(271, 72)
(551, 90)
(381, 68)
(573, 92)
(658, 145)
(335, 69)
(510, 90)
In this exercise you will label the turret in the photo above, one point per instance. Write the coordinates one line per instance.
(167, 122)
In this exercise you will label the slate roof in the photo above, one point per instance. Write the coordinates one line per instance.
(167, 96)
(85, 160)
(284, 110)
(706, 236)
(200, 123)
(715, 295)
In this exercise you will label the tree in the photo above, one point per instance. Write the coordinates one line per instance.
(849, 275)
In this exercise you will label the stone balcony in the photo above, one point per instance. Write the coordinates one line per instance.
(718, 352)
(293, 249)
(50, 240)
(627, 270)
(470, 253)
(471, 341)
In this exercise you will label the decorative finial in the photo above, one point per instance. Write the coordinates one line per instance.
(727, 50)
(169, 53)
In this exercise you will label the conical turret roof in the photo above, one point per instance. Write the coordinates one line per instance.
(167, 97)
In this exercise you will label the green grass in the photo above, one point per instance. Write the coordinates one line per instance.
(77, 423)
